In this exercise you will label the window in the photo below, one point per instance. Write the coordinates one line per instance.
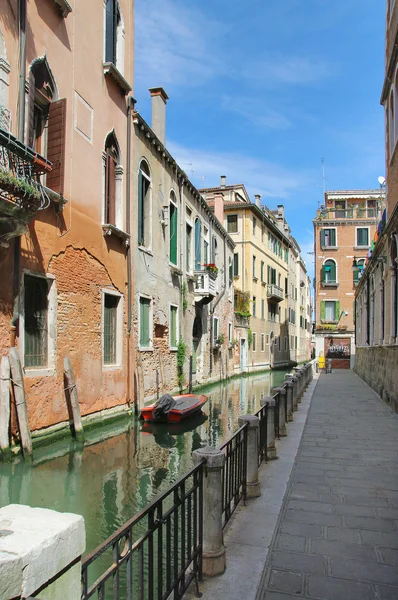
(254, 339)
(229, 332)
(262, 234)
(362, 236)
(232, 223)
(340, 206)
(205, 251)
(263, 309)
(328, 238)
(330, 311)
(328, 273)
(198, 245)
(113, 211)
(286, 286)
(173, 328)
(144, 205)
(254, 305)
(35, 321)
(236, 264)
(271, 275)
(286, 255)
(262, 271)
(358, 274)
(286, 343)
(371, 206)
(254, 226)
(215, 329)
(272, 309)
(145, 323)
(173, 229)
(267, 339)
(188, 247)
(112, 22)
(262, 342)
(254, 267)
(230, 270)
(111, 329)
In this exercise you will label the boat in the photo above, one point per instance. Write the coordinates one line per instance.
(173, 409)
(165, 434)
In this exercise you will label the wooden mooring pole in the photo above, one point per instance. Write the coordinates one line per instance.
(20, 402)
(74, 400)
(5, 452)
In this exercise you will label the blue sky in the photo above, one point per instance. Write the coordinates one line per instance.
(261, 90)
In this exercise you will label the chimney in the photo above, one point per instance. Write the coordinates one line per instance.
(159, 99)
(223, 180)
(281, 211)
(219, 206)
(257, 199)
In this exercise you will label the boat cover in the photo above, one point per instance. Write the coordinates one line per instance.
(163, 406)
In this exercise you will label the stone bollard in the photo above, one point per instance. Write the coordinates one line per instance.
(214, 559)
(271, 448)
(294, 381)
(252, 482)
(289, 397)
(299, 376)
(282, 410)
(40, 549)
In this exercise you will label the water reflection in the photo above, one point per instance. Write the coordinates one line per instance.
(109, 480)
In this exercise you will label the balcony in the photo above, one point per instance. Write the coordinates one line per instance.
(205, 286)
(274, 292)
(21, 192)
(242, 320)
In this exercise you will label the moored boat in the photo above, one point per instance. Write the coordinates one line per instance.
(173, 409)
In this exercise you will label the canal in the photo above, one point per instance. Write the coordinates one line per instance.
(124, 465)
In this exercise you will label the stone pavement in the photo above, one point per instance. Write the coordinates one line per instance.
(337, 533)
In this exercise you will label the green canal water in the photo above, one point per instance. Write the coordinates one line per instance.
(108, 481)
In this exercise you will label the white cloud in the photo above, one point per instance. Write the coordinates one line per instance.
(263, 177)
(254, 111)
(287, 70)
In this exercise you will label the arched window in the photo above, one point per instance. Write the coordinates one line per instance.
(173, 229)
(144, 204)
(329, 272)
(358, 274)
(112, 179)
(198, 245)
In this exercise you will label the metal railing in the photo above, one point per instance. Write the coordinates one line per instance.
(262, 415)
(234, 472)
(156, 553)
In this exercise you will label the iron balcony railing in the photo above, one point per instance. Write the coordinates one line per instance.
(275, 292)
(234, 472)
(157, 553)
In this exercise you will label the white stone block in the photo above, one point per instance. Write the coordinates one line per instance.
(35, 545)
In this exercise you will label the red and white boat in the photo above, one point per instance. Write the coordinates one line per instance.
(183, 406)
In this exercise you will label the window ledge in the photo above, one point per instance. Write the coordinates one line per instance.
(329, 247)
(263, 283)
(39, 372)
(329, 284)
(111, 367)
(112, 71)
(255, 278)
(145, 250)
(175, 270)
(145, 348)
(64, 7)
(109, 229)
(365, 247)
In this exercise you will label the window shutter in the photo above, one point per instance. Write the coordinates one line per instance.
(31, 110)
(337, 310)
(56, 145)
(140, 209)
(198, 232)
(322, 238)
(332, 271)
(236, 264)
(144, 322)
(110, 37)
(110, 190)
(323, 310)
(332, 237)
(173, 233)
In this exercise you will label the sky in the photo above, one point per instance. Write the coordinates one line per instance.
(261, 91)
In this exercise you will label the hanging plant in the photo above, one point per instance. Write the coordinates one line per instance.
(211, 268)
(184, 290)
(249, 337)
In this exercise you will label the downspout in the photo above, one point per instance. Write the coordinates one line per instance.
(130, 104)
(214, 306)
(21, 135)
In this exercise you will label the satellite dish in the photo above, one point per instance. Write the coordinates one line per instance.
(381, 180)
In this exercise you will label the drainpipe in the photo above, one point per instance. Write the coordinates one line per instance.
(130, 105)
(21, 134)
(214, 305)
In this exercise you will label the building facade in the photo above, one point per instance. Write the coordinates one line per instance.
(377, 291)
(183, 259)
(66, 72)
(344, 231)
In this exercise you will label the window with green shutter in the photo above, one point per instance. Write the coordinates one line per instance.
(236, 264)
(173, 326)
(323, 310)
(198, 245)
(144, 184)
(362, 236)
(188, 243)
(337, 310)
(329, 272)
(36, 321)
(145, 309)
(173, 231)
(109, 335)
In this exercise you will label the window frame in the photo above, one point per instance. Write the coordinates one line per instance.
(323, 231)
(254, 341)
(216, 328)
(229, 229)
(148, 348)
(173, 202)
(145, 210)
(331, 282)
(119, 330)
(360, 246)
(172, 305)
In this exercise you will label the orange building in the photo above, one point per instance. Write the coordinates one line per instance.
(344, 229)
(66, 69)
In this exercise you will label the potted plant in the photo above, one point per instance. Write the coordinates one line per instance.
(233, 343)
(211, 268)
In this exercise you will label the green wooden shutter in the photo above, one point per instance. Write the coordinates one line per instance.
(173, 326)
(140, 209)
(322, 238)
(323, 274)
(236, 264)
(332, 271)
(145, 304)
(198, 241)
(173, 229)
(337, 310)
(323, 310)
(332, 237)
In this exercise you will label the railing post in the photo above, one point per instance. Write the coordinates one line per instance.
(289, 398)
(282, 410)
(299, 376)
(252, 482)
(214, 559)
(271, 448)
(40, 551)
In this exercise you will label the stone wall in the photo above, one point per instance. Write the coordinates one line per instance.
(377, 366)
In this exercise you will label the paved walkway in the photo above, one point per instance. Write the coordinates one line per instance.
(337, 533)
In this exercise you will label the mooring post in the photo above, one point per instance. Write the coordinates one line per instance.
(252, 481)
(214, 559)
(20, 402)
(74, 400)
(190, 373)
(282, 410)
(5, 452)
